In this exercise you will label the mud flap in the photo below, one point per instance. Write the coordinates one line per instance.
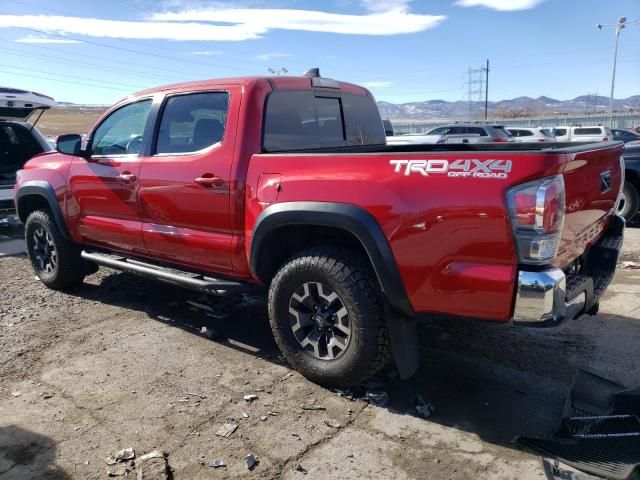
(403, 334)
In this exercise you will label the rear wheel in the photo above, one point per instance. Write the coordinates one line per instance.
(56, 260)
(629, 201)
(325, 310)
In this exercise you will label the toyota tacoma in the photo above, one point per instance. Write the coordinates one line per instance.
(287, 182)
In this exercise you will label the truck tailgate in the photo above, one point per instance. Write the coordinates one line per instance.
(593, 178)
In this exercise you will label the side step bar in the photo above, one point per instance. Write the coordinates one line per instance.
(194, 281)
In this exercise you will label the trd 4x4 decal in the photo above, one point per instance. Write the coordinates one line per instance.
(458, 168)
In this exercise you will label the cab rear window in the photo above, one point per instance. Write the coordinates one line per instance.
(306, 120)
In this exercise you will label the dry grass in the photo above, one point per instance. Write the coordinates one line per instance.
(57, 121)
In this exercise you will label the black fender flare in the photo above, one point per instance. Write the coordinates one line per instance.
(351, 218)
(42, 189)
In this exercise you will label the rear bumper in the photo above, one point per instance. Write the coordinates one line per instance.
(547, 297)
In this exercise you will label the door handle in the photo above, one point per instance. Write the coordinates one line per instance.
(209, 180)
(127, 177)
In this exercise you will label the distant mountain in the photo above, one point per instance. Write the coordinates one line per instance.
(516, 107)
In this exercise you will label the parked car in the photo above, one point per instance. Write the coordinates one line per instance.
(629, 203)
(472, 133)
(531, 134)
(19, 140)
(415, 139)
(595, 133)
(625, 136)
(287, 182)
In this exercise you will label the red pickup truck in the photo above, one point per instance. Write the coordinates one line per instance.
(287, 182)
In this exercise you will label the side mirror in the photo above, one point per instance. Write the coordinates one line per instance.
(69, 144)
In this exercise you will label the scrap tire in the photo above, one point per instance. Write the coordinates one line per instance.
(351, 278)
(45, 241)
(631, 201)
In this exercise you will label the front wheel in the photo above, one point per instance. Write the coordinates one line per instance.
(326, 313)
(629, 201)
(56, 260)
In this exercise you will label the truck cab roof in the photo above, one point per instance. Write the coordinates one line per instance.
(276, 82)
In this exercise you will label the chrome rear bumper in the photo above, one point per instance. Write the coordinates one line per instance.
(549, 296)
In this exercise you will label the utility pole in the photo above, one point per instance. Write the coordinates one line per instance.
(477, 88)
(622, 22)
(486, 91)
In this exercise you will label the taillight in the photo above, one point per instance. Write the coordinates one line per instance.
(536, 211)
(500, 140)
(605, 139)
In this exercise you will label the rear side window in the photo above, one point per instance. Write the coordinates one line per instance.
(560, 132)
(302, 120)
(524, 133)
(546, 132)
(588, 131)
(192, 122)
(477, 131)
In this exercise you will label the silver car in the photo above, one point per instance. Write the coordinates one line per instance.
(472, 133)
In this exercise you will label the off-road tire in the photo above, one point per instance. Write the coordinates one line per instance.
(69, 270)
(631, 204)
(350, 276)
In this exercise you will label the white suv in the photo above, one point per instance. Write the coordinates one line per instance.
(531, 134)
(595, 133)
(472, 133)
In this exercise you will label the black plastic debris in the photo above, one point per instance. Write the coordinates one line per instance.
(599, 433)
(250, 461)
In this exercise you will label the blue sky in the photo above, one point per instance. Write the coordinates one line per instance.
(88, 51)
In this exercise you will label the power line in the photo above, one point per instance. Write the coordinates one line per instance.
(38, 77)
(67, 13)
(97, 80)
(131, 50)
(110, 68)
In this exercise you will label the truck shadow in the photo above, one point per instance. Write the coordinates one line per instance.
(25, 454)
(496, 381)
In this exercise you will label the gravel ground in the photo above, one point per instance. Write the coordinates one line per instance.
(122, 362)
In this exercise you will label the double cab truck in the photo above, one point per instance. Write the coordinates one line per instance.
(287, 182)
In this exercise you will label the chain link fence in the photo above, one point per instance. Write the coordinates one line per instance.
(620, 120)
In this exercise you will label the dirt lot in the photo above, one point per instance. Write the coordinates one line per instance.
(57, 121)
(121, 363)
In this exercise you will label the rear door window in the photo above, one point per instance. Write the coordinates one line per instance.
(560, 132)
(477, 131)
(588, 131)
(192, 122)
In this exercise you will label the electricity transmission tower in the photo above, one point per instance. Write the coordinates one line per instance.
(477, 82)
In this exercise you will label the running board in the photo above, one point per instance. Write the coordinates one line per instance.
(194, 281)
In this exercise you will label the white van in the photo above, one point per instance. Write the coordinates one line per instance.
(591, 133)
